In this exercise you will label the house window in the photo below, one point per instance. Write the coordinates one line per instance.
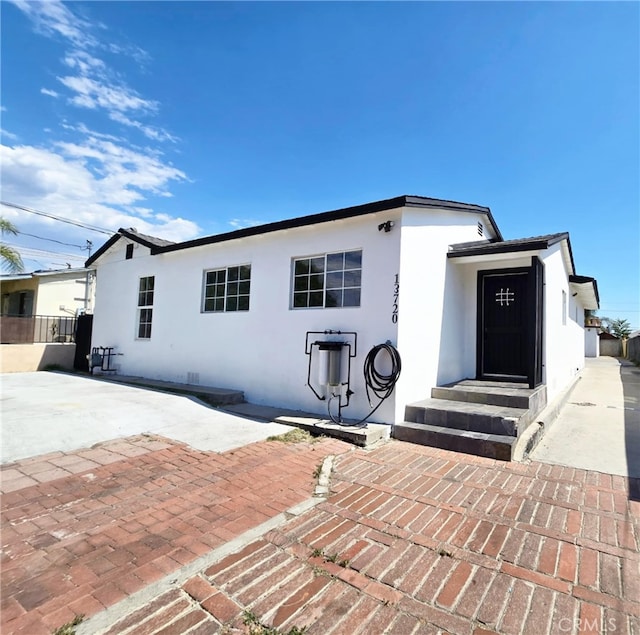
(564, 307)
(330, 280)
(480, 229)
(145, 307)
(129, 252)
(227, 289)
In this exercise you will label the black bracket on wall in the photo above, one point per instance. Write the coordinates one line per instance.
(352, 352)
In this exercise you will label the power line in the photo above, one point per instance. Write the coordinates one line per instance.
(44, 252)
(52, 240)
(58, 218)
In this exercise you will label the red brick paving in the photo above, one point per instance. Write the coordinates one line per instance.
(82, 531)
(414, 540)
(457, 544)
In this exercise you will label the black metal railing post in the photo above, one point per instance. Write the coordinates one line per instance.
(37, 329)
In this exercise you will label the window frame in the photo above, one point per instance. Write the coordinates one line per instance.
(231, 301)
(328, 287)
(145, 302)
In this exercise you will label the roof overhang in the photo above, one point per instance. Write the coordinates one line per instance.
(42, 274)
(304, 221)
(483, 251)
(585, 289)
(146, 241)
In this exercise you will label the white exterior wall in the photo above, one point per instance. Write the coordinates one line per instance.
(260, 351)
(563, 342)
(63, 290)
(591, 342)
(433, 296)
(467, 272)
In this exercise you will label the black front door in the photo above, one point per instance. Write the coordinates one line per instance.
(505, 310)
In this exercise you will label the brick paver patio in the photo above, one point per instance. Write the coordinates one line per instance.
(83, 530)
(417, 540)
(411, 540)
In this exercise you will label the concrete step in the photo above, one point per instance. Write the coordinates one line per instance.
(208, 394)
(508, 394)
(367, 436)
(462, 415)
(493, 446)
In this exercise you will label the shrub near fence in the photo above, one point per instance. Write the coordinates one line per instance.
(37, 329)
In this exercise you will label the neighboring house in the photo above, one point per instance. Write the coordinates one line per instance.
(259, 309)
(592, 330)
(61, 293)
(40, 311)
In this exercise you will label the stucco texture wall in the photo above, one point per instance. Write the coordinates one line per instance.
(24, 358)
(57, 291)
(433, 298)
(260, 351)
(563, 325)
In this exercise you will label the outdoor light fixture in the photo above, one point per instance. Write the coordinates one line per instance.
(387, 225)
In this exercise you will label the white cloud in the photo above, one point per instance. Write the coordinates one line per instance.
(83, 61)
(93, 94)
(241, 223)
(7, 134)
(97, 178)
(155, 134)
(52, 17)
(94, 85)
(90, 182)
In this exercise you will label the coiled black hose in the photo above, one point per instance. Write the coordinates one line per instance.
(380, 384)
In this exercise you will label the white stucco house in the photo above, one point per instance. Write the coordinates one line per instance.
(289, 312)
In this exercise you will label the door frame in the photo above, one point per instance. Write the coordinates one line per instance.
(533, 326)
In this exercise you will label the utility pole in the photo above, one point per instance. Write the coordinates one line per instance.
(88, 247)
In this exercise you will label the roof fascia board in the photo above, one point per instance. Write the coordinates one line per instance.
(110, 243)
(122, 233)
(325, 217)
(60, 272)
(500, 247)
(582, 281)
(304, 221)
(491, 249)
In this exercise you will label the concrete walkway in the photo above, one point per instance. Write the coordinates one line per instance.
(599, 428)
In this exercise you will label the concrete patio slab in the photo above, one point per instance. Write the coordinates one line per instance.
(47, 412)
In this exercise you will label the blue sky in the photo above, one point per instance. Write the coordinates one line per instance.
(185, 119)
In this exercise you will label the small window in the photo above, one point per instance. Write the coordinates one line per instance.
(564, 307)
(129, 251)
(480, 229)
(227, 289)
(145, 304)
(330, 280)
